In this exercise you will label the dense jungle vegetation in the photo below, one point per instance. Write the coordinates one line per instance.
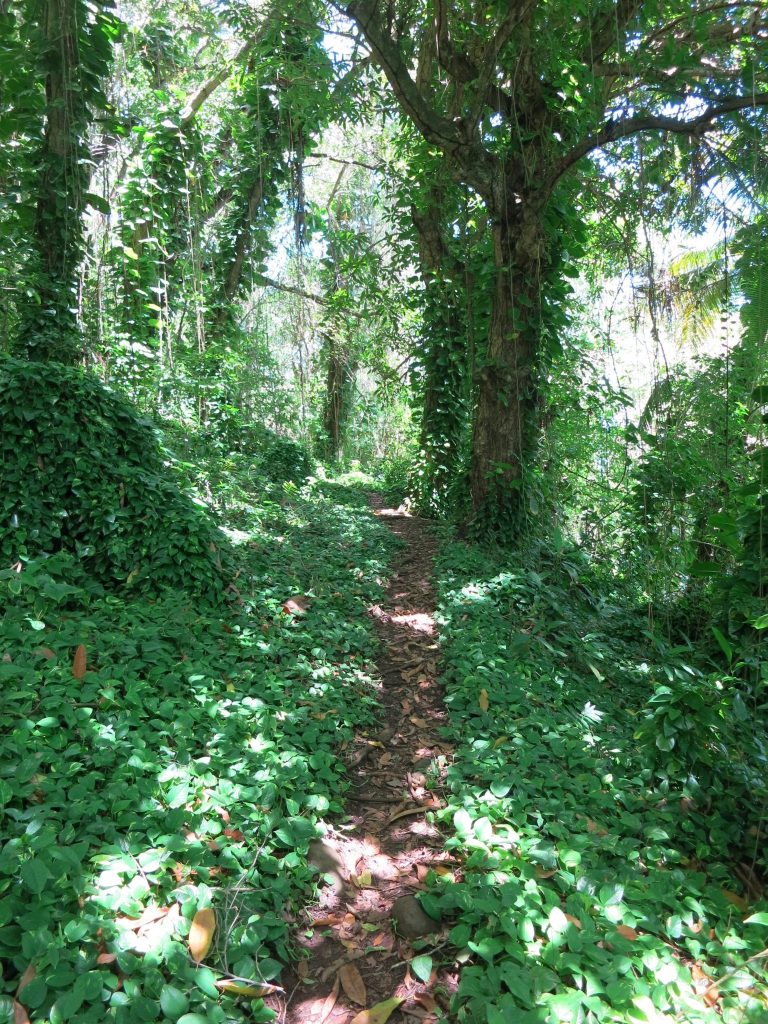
(503, 261)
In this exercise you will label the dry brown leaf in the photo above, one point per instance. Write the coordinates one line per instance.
(711, 995)
(422, 723)
(20, 1015)
(735, 899)
(326, 920)
(26, 977)
(627, 932)
(427, 1001)
(483, 701)
(353, 984)
(363, 879)
(405, 813)
(326, 1007)
(576, 921)
(106, 958)
(201, 933)
(296, 605)
(79, 662)
(378, 1013)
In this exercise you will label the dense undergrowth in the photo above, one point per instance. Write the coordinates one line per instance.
(172, 750)
(608, 800)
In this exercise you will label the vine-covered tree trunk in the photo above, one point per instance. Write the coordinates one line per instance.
(336, 406)
(443, 358)
(504, 428)
(48, 330)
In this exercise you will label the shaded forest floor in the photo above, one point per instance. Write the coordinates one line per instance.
(462, 744)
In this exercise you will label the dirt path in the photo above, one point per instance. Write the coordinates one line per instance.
(360, 936)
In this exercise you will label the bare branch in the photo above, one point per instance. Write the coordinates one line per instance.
(349, 163)
(615, 130)
(196, 101)
(268, 282)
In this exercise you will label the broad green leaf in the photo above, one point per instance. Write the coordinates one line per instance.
(422, 967)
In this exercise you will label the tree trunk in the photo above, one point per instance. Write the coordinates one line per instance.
(504, 423)
(49, 326)
(336, 397)
(443, 359)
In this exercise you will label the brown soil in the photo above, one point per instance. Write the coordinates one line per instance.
(356, 937)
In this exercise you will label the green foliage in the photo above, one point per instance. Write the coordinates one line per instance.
(587, 888)
(186, 766)
(83, 474)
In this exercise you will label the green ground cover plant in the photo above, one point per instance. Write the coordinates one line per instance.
(165, 754)
(606, 795)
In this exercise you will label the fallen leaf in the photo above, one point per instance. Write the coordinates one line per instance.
(353, 984)
(378, 1013)
(106, 958)
(45, 652)
(363, 879)
(427, 1001)
(26, 977)
(627, 932)
(326, 919)
(405, 813)
(20, 1015)
(483, 701)
(296, 605)
(326, 1007)
(235, 834)
(421, 722)
(577, 922)
(735, 899)
(79, 662)
(498, 742)
(201, 933)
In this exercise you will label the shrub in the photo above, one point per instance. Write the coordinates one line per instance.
(82, 473)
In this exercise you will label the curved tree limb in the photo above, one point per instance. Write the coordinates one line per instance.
(615, 130)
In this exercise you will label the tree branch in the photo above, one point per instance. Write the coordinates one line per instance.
(196, 101)
(515, 16)
(268, 282)
(615, 130)
(607, 30)
(432, 125)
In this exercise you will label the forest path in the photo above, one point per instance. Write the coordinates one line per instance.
(360, 936)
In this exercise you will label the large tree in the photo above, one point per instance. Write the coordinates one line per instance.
(71, 41)
(515, 94)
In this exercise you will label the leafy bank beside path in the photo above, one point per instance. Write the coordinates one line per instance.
(608, 874)
(161, 756)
